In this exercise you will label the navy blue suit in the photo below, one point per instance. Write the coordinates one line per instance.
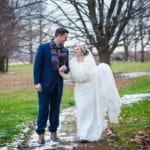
(52, 87)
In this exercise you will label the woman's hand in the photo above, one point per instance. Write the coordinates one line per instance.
(63, 68)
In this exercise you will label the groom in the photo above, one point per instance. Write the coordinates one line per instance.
(50, 58)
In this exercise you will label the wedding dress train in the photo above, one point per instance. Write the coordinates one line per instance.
(95, 95)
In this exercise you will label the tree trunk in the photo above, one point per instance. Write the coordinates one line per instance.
(142, 50)
(31, 57)
(3, 64)
(126, 44)
(126, 53)
(141, 27)
(31, 41)
(141, 38)
(104, 56)
(135, 54)
(6, 64)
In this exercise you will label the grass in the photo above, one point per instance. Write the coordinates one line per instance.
(137, 85)
(18, 99)
(68, 98)
(21, 68)
(16, 108)
(130, 66)
(133, 119)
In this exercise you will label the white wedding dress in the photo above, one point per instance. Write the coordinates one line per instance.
(95, 94)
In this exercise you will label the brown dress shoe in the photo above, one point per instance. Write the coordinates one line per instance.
(41, 139)
(54, 137)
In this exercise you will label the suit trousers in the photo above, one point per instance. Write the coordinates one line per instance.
(49, 108)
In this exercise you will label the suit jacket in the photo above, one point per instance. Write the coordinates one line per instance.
(43, 70)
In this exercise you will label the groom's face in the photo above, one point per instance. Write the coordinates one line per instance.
(62, 38)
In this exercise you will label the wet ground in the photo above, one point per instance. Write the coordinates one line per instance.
(134, 74)
(67, 133)
(67, 130)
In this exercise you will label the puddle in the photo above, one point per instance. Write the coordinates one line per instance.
(131, 98)
(134, 74)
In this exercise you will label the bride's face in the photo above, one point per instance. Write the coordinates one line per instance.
(78, 52)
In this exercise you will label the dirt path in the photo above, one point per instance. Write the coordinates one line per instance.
(67, 134)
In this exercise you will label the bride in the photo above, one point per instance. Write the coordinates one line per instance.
(95, 95)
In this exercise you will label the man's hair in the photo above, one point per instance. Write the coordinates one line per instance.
(60, 31)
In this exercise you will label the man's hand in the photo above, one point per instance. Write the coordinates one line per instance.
(63, 68)
(38, 87)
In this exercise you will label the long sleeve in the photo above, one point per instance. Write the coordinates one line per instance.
(38, 65)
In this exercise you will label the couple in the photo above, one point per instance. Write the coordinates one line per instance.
(95, 90)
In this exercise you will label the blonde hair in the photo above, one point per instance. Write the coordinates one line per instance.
(84, 50)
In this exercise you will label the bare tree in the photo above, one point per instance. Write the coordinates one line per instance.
(143, 19)
(34, 29)
(137, 31)
(100, 23)
(127, 36)
(18, 28)
(7, 33)
(136, 39)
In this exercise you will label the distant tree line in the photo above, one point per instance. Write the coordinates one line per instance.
(105, 26)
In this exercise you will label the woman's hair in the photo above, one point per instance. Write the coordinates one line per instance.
(84, 50)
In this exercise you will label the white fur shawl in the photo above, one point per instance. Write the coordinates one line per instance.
(80, 71)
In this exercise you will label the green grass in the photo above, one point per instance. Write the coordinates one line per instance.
(134, 118)
(20, 106)
(21, 68)
(130, 66)
(68, 98)
(139, 85)
(16, 108)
